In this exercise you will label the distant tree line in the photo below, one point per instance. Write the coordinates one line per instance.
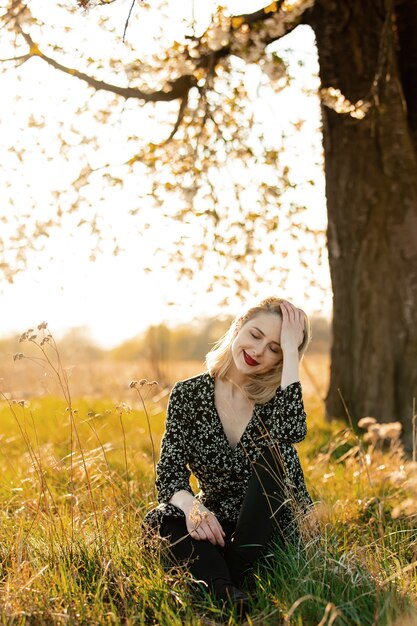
(192, 341)
(159, 343)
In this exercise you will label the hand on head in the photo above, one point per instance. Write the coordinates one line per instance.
(292, 331)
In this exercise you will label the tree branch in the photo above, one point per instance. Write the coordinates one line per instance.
(261, 14)
(19, 60)
(181, 112)
(251, 19)
(9, 15)
(178, 88)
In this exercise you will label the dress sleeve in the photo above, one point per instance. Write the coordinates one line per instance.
(172, 473)
(288, 421)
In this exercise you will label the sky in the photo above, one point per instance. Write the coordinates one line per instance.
(116, 297)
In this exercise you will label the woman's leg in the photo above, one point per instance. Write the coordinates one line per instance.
(260, 515)
(204, 560)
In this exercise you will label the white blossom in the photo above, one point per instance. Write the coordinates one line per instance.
(405, 508)
(241, 36)
(398, 477)
(217, 37)
(365, 422)
(296, 7)
(334, 99)
(184, 66)
(274, 27)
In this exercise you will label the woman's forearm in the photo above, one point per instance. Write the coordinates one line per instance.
(290, 368)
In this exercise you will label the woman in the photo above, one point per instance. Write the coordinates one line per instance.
(234, 427)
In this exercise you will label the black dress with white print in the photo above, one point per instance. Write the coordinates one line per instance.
(195, 441)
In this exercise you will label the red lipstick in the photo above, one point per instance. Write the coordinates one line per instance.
(249, 360)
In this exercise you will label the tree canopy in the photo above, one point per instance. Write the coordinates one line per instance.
(209, 164)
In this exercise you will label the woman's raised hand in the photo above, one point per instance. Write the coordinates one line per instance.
(203, 524)
(292, 330)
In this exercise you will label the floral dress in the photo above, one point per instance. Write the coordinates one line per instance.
(195, 441)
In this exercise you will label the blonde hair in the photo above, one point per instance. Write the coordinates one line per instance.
(261, 387)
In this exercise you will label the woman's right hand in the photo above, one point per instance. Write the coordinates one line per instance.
(202, 524)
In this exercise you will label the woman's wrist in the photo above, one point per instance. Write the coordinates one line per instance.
(289, 351)
(184, 500)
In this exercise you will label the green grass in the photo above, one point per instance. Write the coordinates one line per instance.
(77, 477)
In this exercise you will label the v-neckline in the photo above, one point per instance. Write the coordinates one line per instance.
(220, 423)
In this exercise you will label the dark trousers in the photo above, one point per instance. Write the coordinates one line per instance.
(259, 520)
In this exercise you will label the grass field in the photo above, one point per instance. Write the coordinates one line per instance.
(78, 448)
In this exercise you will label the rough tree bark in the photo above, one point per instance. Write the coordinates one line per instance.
(368, 49)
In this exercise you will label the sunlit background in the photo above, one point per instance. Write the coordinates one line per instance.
(126, 283)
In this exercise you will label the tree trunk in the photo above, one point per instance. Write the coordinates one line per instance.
(371, 189)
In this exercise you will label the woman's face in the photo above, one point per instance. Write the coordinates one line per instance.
(256, 348)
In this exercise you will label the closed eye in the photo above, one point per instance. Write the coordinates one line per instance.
(258, 336)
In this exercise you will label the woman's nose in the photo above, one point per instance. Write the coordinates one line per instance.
(259, 349)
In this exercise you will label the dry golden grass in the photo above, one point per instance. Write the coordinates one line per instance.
(77, 475)
(102, 378)
(105, 378)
